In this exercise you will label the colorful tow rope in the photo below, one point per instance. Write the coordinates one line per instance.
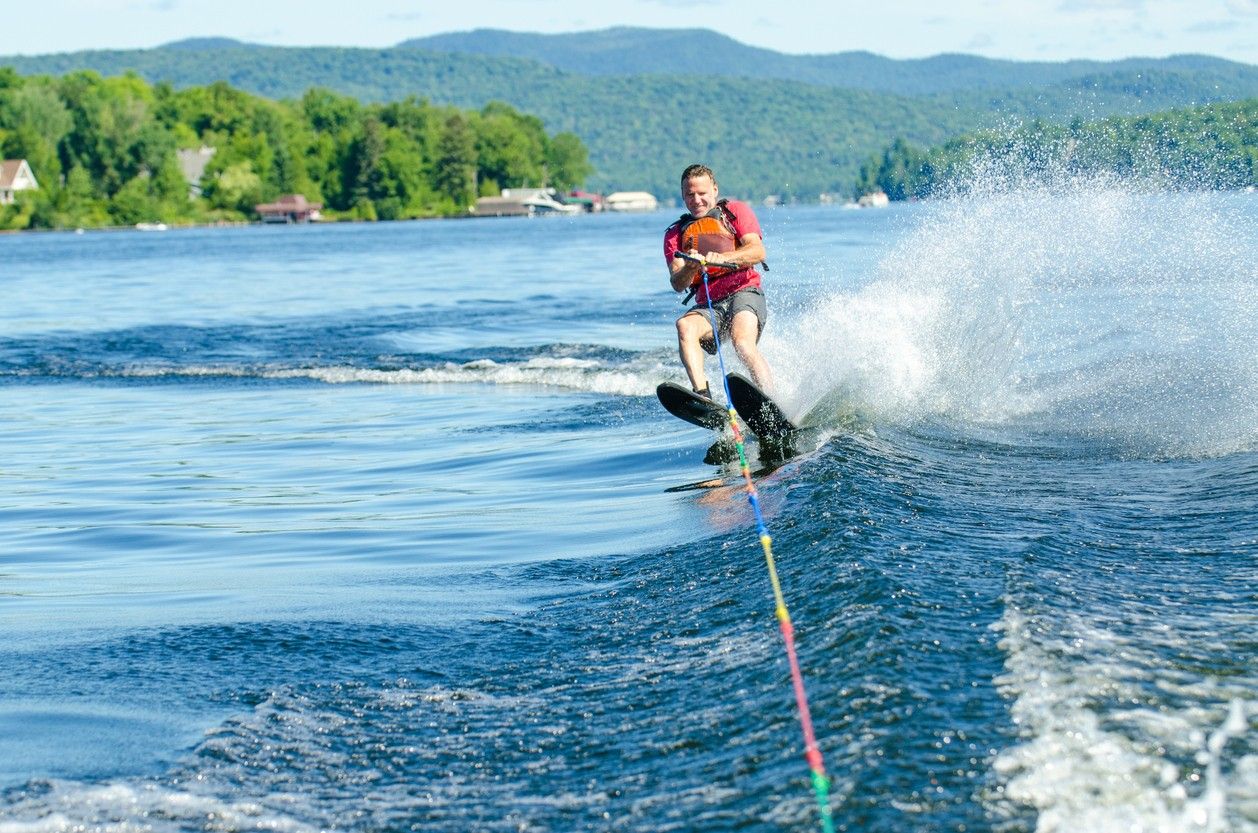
(816, 766)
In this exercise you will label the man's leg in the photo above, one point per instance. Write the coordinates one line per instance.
(692, 328)
(745, 334)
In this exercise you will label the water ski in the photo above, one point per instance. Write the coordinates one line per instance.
(772, 427)
(684, 403)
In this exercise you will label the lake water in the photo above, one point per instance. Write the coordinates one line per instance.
(380, 527)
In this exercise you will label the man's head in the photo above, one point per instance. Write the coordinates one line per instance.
(698, 189)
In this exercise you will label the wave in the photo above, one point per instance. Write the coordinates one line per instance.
(1100, 753)
(339, 353)
(659, 672)
(573, 374)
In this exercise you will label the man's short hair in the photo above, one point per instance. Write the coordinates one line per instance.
(697, 170)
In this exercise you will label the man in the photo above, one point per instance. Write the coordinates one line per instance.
(726, 232)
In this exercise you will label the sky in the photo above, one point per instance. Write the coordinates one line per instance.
(1029, 30)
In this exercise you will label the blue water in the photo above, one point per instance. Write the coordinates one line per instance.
(379, 527)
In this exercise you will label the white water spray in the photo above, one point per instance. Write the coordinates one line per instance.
(1085, 307)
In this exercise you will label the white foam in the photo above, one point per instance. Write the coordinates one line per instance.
(636, 377)
(117, 807)
(1096, 757)
(572, 374)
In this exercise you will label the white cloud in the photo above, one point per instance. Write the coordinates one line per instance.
(1212, 26)
(1103, 6)
(980, 42)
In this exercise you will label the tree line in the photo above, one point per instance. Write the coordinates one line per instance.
(1213, 147)
(796, 136)
(104, 151)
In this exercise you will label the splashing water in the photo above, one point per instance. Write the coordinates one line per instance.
(1084, 307)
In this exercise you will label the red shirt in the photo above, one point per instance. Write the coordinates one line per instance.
(744, 222)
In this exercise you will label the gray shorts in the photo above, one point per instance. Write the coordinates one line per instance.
(751, 298)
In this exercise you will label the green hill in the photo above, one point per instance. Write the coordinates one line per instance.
(647, 102)
(638, 51)
(1214, 146)
(787, 137)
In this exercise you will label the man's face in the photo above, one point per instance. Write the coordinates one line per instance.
(699, 195)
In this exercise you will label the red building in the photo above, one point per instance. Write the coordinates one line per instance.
(290, 208)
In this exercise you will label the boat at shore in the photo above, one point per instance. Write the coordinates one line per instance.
(524, 202)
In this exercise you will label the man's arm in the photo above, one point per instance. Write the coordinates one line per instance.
(750, 251)
(683, 273)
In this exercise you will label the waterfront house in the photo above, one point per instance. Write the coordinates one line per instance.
(876, 199)
(631, 201)
(290, 208)
(589, 201)
(15, 175)
(192, 162)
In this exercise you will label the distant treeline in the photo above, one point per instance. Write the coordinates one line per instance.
(1210, 147)
(768, 123)
(104, 152)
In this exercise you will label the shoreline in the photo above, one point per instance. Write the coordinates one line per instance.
(1249, 189)
(244, 223)
(221, 224)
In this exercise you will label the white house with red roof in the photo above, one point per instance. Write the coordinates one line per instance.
(290, 208)
(15, 175)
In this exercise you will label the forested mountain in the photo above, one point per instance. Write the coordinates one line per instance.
(1214, 146)
(640, 130)
(802, 127)
(637, 51)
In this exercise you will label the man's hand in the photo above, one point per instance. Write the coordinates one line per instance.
(686, 273)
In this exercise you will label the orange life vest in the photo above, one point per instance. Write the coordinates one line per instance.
(712, 232)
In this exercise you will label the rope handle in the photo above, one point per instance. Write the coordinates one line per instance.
(704, 262)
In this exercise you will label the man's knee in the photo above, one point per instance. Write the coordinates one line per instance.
(746, 330)
(746, 348)
(691, 327)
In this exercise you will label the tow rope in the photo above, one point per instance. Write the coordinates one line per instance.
(812, 753)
